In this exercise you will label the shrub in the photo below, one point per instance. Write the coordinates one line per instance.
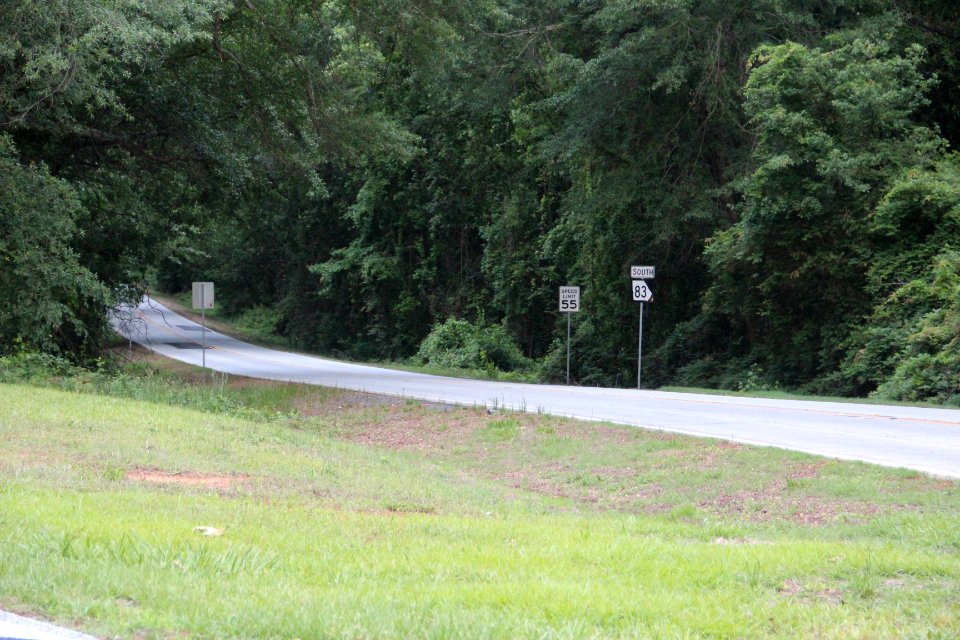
(459, 343)
(258, 321)
(34, 367)
(910, 346)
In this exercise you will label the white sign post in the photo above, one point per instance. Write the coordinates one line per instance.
(569, 303)
(203, 300)
(641, 293)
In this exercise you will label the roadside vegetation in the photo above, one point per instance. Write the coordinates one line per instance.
(339, 514)
(456, 348)
(752, 386)
(407, 180)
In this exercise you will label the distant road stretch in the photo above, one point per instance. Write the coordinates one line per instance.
(915, 438)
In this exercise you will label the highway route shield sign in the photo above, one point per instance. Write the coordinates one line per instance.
(641, 292)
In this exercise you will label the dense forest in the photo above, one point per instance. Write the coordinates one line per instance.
(407, 178)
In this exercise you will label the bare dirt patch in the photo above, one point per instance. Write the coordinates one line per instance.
(186, 478)
(807, 471)
(595, 434)
(614, 473)
(441, 430)
(310, 405)
(735, 542)
(774, 503)
(34, 456)
(422, 426)
(794, 588)
(539, 482)
(399, 426)
(702, 457)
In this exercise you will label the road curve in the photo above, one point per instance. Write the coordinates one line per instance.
(915, 438)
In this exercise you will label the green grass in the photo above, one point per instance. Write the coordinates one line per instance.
(172, 383)
(350, 516)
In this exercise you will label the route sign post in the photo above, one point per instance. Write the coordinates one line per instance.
(641, 293)
(203, 300)
(569, 304)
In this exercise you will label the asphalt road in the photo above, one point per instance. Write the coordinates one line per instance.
(916, 438)
(14, 627)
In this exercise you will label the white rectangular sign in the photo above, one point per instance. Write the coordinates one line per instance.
(203, 295)
(643, 272)
(569, 299)
(641, 292)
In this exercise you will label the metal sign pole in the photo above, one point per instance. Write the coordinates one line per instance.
(203, 329)
(641, 294)
(569, 304)
(640, 348)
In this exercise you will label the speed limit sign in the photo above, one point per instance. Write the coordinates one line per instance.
(569, 299)
(641, 292)
(569, 304)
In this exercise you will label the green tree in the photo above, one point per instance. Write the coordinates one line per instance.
(644, 115)
(908, 345)
(835, 131)
(166, 117)
(51, 302)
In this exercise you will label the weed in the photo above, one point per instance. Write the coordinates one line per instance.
(114, 474)
(795, 484)
(410, 508)
(500, 430)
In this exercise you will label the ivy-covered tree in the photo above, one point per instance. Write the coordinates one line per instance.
(52, 303)
(835, 131)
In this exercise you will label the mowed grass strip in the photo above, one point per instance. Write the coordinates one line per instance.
(328, 534)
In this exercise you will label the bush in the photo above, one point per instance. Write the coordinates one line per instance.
(925, 377)
(258, 321)
(909, 348)
(458, 343)
(29, 367)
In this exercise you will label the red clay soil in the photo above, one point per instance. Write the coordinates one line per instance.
(185, 478)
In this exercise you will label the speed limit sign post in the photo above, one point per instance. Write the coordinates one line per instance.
(569, 303)
(641, 293)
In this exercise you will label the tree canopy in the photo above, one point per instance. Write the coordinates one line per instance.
(388, 176)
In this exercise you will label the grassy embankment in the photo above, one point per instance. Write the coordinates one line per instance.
(350, 515)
